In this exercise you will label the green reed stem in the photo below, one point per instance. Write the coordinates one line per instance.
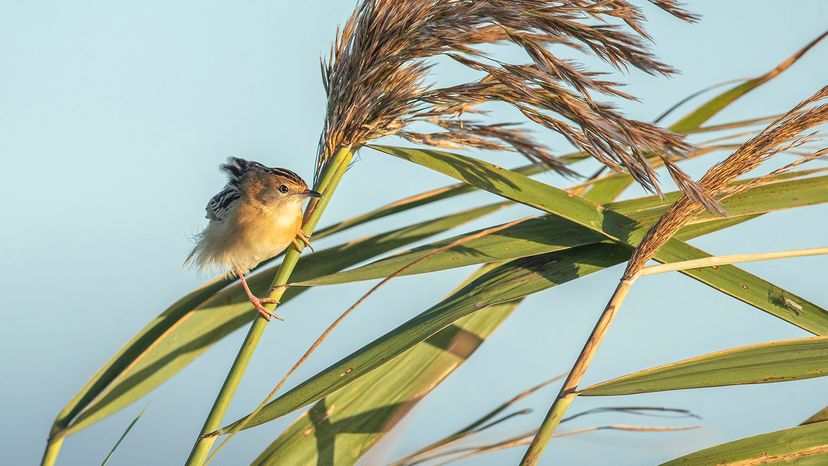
(570, 386)
(52, 450)
(327, 184)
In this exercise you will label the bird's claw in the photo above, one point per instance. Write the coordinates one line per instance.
(305, 238)
(259, 303)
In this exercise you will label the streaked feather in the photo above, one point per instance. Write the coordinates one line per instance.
(221, 204)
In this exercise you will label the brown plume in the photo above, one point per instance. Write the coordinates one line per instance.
(376, 79)
(787, 132)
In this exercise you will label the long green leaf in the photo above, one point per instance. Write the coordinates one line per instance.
(618, 227)
(777, 361)
(191, 325)
(122, 437)
(343, 426)
(550, 233)
(133, 349)
(707, 111)
(798, 445)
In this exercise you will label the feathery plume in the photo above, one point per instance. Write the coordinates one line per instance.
(376, 79)
(787, 132)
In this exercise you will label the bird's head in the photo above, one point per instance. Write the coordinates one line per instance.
(268, 185)
(284, 186)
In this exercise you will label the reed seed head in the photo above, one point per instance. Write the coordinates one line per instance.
(376, 79)
(789, 131)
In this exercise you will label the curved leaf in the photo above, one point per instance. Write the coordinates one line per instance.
(707, 111)
(777, 361)
(798, 445)
(417, 200)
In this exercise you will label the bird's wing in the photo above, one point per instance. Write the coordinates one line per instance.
(222, 203)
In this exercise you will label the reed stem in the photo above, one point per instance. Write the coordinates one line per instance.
(327, 184)
(52, 450)
(568, 390)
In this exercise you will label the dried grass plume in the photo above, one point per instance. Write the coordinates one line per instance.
(376, 79)
(791, 130)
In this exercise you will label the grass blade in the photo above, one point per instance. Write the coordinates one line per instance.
(526, 438)
(707, 111)
(776, 361)
(417, 200)
(798, 445)
(122, 437)
(481, 424)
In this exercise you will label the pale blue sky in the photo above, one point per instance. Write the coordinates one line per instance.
(113, 118)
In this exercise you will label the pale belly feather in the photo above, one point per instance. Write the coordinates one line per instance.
(270, 235)
(249, 237)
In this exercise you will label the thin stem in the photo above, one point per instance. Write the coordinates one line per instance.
(52, 450)
(472, 429)
(526, 438)
(731, 259)
(327, 185)
(568, 391)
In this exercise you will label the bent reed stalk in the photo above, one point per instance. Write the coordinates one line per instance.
(783, 134)
(327, 185)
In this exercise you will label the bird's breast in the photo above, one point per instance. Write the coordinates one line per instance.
(269, 231)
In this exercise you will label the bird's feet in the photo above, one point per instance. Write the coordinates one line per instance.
(259, 303)
(305, 238)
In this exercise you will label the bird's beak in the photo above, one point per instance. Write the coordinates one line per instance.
(311, 193)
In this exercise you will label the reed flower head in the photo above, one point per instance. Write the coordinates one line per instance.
(376, 79)
(791, 130)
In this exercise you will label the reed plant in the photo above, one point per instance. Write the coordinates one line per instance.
(379, 81)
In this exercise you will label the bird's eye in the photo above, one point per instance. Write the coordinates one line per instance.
(283, 188)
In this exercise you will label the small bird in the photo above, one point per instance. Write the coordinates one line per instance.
(256, 216)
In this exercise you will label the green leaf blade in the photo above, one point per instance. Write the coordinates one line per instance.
(777, 361)
(798, 445)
